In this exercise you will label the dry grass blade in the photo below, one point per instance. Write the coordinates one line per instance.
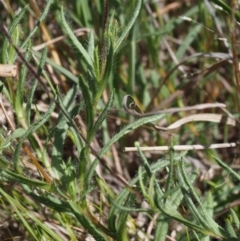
(216, 118)
(78, 32)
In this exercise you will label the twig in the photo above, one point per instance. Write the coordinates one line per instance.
(180, 147)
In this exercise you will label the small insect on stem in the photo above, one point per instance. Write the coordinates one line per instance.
(8, 70)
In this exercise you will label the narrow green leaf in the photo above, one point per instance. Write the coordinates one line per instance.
(53, 235)
(230, 229)
(16, 134)
(128, 129)
(85, 13)
(41, 18)
(75, 42)
(96, 65)
(161, 228)
(60, 131)
(142, 182)
(20, 210)
(122, 227)
(101, 118)
(89, 175)
(129, 209)
(91, 45)
(226, 167)
(201, 213)
(16, 20)
(87, 224)
(132, 62)
(235, 218)
(4, 163)
(34, 86)
(49, 201)
(209, 204)
(42, 61)
(14, 24)
(15, 36)
(151, 191)
(83, 162)
(107, 71)
(92, 83)
(168, 210)
(13, 176)
(20, 88)
(112, 216)
(192, 35)
(136, 11)
(88, 102)
(151, 175)
(76, 139)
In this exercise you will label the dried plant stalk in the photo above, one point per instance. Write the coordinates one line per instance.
(180, 147)
(8, 70)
